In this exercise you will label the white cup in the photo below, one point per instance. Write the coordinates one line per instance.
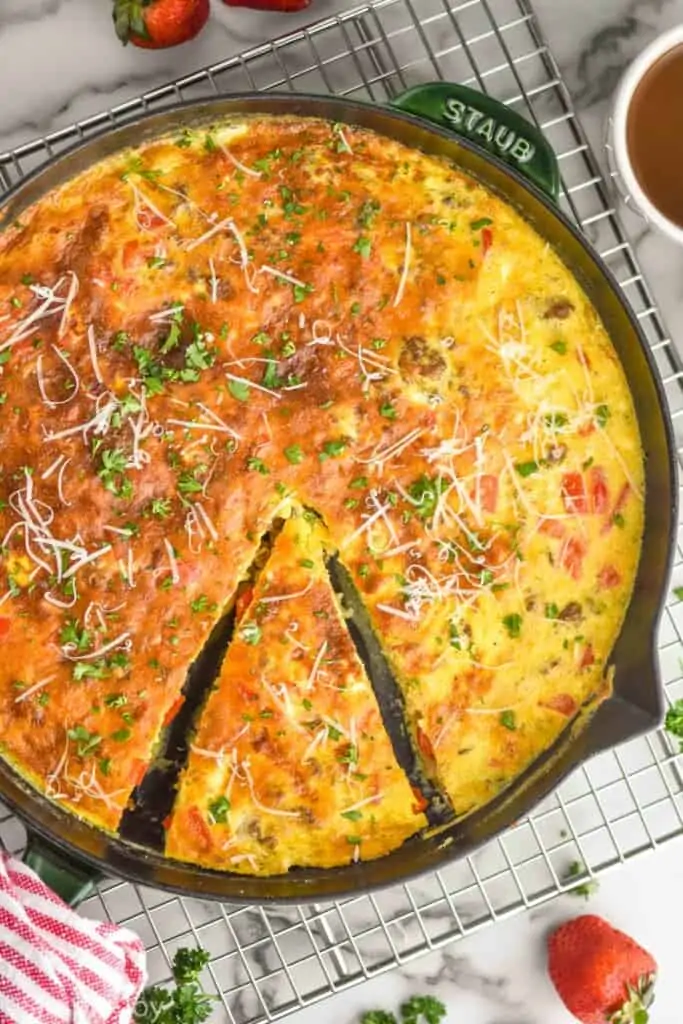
(620, 166)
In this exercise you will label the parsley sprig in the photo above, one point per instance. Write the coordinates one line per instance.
(417, 1010)
(187, 1003)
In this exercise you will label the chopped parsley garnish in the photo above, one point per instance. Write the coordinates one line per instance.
(363, 247)
(121, 735)
(560, 347)
(350, 755)
(359, 482)
(483, 222)
(368, 212)
(188, 483)
(86, 741)
(239, 390)
(294, 454)
(602, 414)
(301, 291)
(199, 604)
(586, 888)
(90, 670)
(454, 636)
(219, 810)
(115, 700)
(425, 492)
(551, 611)
(251, 633)
(527, 468)
(160, 507)
(352, 815)
(332, 450)
(555, 420)
(513, 624)
(111, 473)
(507, 720)
(388, 410)
(257, 466)
(72, 633)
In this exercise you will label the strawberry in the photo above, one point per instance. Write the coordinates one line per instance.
(600, 974)
(284, 6)
(156, 24)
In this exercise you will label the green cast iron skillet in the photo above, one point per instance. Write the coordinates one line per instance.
(509, 156)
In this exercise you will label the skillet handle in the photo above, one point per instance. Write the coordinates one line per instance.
(72, 880)
(491, 125)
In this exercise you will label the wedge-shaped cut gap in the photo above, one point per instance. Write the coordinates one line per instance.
(151, 803)
(389, 697)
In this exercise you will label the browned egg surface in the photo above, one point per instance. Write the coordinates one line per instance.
(282, 319)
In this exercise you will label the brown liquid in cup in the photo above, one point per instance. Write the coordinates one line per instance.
(654, 134)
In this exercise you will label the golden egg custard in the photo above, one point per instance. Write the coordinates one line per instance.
(284, 319)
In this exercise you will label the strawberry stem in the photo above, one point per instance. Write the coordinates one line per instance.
(640, 998)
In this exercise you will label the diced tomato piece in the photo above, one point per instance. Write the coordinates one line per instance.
(572, 555)
(243, 601)
(198, 828)
(587, 428)
(425, 744)
(574, 493)
(132, 255)
(173, 710)
(486, 240)
(148, 219)
(4, 625)
(488, 492)
(552, 528)
(599, 490)
(587, 657)
(420, 802)
(608, 577)
(563, 703)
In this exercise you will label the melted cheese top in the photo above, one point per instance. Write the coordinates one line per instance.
(202, 336)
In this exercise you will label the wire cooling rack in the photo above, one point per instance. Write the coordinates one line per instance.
(269, 962)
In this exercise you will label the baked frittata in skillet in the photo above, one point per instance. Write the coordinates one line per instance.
(227, 327)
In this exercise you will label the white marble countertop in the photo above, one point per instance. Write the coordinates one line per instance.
(59, 61)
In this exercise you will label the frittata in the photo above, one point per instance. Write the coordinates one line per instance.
(291, 763)
(269, 319)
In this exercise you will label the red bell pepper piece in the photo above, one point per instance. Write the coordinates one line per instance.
(563, 703)
(599, 491)
(572, 555)
(574, 493)
(552, 528)
(4, 626)
(609, 577)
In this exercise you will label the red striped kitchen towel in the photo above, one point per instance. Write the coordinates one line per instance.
(57, 967)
